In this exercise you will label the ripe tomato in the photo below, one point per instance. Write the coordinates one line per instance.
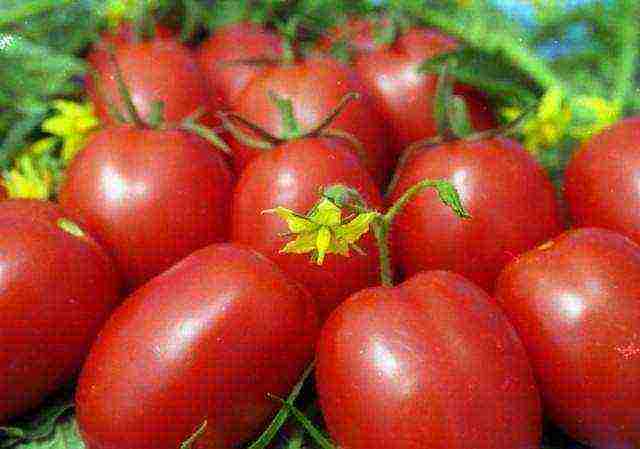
(151, 197)
(601, 184)
(575, 302)
(510, 198)
(207, 339)
(221, 57)
(430, 363)
(402, 95)
(291, 176)
(315, 88)
(161, 69)
(57, 290)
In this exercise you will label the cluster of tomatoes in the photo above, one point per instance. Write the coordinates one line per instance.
(489, 324)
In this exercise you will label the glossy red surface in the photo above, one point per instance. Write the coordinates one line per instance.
(56, 290)
(151, 197)
(208, 339)
(432, 363)
(291, 176)
(220, 57)
(161, 69)
(602, 183)
(575, 302)
(509, 196)
(315, 88)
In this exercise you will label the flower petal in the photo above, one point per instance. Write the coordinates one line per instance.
(326, 214)
(297, 223)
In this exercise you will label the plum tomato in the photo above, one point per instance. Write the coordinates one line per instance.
(57, 289)
(512, 204)
(161, 69)
(232, 56)
(315, 87)
(431, 363)
(291, 176)
(575, 302)
(602, 178)
(402, 95)
(207, 339)
(150, 197)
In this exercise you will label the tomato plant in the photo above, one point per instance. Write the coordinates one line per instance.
(391, 73)
(511, 201)
(58, 287)
(315, 88)
(291, 176)
(601, 183)
(161, 69)
(150, 196)
(206, 340)
(234, 55)
(574, 301)
(430, 363)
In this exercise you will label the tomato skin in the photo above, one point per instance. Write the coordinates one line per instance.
(151, 197)
(575, 303)
(430, 363)
(601, 183)
(291, 176)
(229, 328)
(161, 69)
(302, 83)
(57, 290)
(510, 198)
(236, 42)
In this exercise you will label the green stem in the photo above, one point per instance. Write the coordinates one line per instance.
(124, 92)
(25, 10)
(207, 134)
(629, 38)
(381, 232)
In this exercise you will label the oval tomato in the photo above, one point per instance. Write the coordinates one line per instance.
(151, 197)
(511, 201)
(291, 176)
(57, 289)
(401, 94)
(225, 58)
(430, 363)
(161, 69)
(602, 178)
(207, 339)
(575, 302)
(315, 88)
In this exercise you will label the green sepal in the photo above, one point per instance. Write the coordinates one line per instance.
(291, 128)
(458, 117)
(450, 197)
(200, 431)
(444, 92)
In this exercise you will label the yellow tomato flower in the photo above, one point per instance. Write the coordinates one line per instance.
(72, 123)
(592, 114)
(26, 179)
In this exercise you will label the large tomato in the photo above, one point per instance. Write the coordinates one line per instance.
(234, 55)
(432, 363)
(161, 69)
(57, 289)
(401, 94)
(315, 88)
(510, 198)
(151, 197)
(601, 184)
(207, 339)
(575, 302)
(291, 176)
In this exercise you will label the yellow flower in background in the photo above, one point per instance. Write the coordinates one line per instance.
(118, 10)
(72, 123)
(592, 115)
(27, 179)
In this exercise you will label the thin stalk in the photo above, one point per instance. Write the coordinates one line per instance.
(207, 134)
(123, 90)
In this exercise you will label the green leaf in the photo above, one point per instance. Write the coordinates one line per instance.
(458, 117)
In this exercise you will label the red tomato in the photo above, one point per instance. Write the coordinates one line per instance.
(510, 198)
(357, 33)
(221, 55)
(401, 95)
(291, 176)
(575, 302)
(432, 363)
(601, 184)
(315, 88)
(207, 339)
(151, 197)
(161, 69)
(57, 289)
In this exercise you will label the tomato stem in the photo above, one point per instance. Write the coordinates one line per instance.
(381, 230)
(124, 92)
(207, 134)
